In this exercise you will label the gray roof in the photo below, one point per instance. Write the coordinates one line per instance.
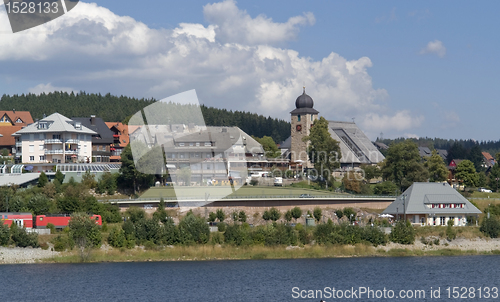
(424, 151)
(55, 123)
(443, 153)
(355, 146)
(287, 143)
(103, 135)
(421, 195)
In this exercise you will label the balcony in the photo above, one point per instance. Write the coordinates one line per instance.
(72, 141)
(19, 144)
(116, 135)
(53, 141)
(73, 151)
(57, 151)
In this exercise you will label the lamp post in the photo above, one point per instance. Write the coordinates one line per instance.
(404, 206)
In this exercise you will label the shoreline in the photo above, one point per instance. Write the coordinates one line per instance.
(457, 247)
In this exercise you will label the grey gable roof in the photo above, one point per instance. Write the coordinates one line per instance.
(420, 194)
(355, 146)
(56, 123)
(105, 135)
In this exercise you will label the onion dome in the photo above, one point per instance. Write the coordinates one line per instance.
(304, 101)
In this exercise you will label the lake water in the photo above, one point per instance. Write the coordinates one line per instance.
(256, 280)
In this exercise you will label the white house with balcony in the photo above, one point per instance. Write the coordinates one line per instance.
(54, 139)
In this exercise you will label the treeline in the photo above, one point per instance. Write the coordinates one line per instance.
(490, 146)
(120, 108)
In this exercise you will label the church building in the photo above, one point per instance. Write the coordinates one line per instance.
(355, 146)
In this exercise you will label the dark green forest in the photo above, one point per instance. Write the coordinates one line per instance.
(119, 108)
(458, 148)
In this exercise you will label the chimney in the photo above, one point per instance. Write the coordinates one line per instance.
(92, 120)
(14, 110)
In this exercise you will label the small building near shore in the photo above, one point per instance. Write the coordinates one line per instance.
(428, 203)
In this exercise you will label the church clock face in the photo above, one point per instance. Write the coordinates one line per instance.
(299, 127)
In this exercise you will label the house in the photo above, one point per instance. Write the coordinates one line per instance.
(11, 122)
(424, 152)
(102, 139)
(488, 161)
(428, 203)
(120, 138)
(54, 139)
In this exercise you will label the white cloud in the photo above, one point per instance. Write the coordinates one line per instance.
(387, 19)
(46, 88)
(237, 26)
(434, 47)
(402, 120)
(411, 135)
(230, 66)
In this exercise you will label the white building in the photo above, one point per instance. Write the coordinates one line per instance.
(54, 139)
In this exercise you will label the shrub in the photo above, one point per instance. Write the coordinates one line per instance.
(4, 234)
(403, 232)
(221, 227)
(242, 216)
(193, 229)
(317, 213)
(217, 238)
(490, 227)
(254, 182)
(51, 227)
(117, 237)
(22, 238)
(220, 215)
(451, 234)
(296, 213)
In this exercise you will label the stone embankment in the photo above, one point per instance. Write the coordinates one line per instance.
(24, 255)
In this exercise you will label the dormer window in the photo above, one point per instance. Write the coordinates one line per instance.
(19, 121)
(42, 125)
(5, 119)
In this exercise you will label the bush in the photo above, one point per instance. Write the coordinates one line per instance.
(451, 234)
(117, 237)
(21, 238)
(221, 227)
(217, 238)
(403, 232)
(4, 234)
(317, 213)
(193, 229)
(490, 227)
(51, 227)
(254, 182)
(385, 188)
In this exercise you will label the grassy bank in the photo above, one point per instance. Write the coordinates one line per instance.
(226, 252)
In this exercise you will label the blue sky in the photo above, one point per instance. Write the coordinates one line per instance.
(404, 68)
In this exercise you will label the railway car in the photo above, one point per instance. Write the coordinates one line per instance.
(21, 219)
(59, 221)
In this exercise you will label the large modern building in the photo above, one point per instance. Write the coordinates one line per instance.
(429, 203)
(210, 153)
(356, 148)
(54, 139)
(102, 139)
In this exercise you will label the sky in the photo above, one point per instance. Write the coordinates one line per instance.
(397, 68)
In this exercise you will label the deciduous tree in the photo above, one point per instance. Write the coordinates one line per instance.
(437, 169)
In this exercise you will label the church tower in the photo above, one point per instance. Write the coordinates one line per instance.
(303, 116)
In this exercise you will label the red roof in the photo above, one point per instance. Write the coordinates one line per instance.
(7, 139)
(24, 117)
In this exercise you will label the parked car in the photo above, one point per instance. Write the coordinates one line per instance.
(306, 196)
(485, 190)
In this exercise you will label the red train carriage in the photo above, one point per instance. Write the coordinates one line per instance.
(59, 221)
(21, 219)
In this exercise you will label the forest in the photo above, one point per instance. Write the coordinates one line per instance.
(120, 108)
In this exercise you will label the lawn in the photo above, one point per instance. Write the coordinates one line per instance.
(168, 192)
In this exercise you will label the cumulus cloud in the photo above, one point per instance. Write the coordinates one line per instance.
(434, 47)
(46, 88)
(230, 66)
(237, 26)
(401, 120)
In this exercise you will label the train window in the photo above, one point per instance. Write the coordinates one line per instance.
(41, 218)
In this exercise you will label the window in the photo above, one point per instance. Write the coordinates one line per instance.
(41, 136)
(197, 144)
(208, 144)
(56, 136)
(32, 158)
(32, 137)
(32, 148)
(442, 220)
(84, 148)
(191, 144)
(181, 144)
(42, 157)
(298, 118)
(40, 147)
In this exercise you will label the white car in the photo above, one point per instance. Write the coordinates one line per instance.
(485, 190)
